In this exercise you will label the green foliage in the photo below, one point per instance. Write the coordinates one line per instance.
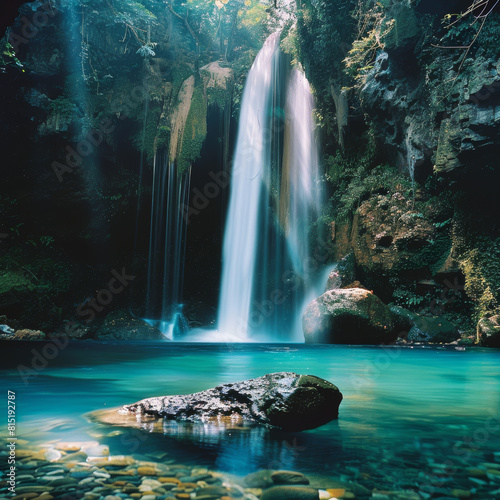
(325, 31)
(8, 55)
(195, 130)
(482, 276)
(17, 228)
(408, 298)
(356, 176)
(372, 29)
(147, 50)
(442, 224)
(290, 42)
(46, 241)
(62, 106)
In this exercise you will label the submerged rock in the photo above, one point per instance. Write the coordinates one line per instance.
(282, 400)
(288, 477)
(290, 493)
(348, 316)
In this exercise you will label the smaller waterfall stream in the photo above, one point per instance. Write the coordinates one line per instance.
(300, 191)
(167, 242)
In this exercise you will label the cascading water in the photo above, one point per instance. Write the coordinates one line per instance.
(266, 270)
(252, 158)
(300, 197)
(301, 193)
(167, 246)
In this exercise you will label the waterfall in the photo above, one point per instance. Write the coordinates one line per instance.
(274, 197)
(252, 160)
(300, 193)
(167, 240)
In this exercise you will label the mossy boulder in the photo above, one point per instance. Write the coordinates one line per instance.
(418, 328)
(121, 325)
(488, 331)
(283, 400)
(348, 316)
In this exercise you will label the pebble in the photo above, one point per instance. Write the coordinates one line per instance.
(78, 456)
(98, 473)
(149, 485)
(288, 477)
(151, 476)
(25, 477)
(26, 496)
(461, 493)
(194, 479)
(290, 493)
(79, 474)
(336, 492)
(52, 455)
(259, 479)
(96, 450)
(33, 489)
(146, 471)
(55, 472)
(172, 480)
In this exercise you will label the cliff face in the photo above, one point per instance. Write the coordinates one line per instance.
(91, 90)
(413, 187)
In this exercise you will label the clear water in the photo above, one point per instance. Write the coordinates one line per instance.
(404, 410)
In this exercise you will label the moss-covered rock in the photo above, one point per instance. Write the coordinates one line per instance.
(419, 328)
(488, 331)
(283, 400)
(348, 316)
(121, 325)
(218, 82)
(195, 130)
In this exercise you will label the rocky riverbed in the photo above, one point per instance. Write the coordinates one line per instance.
(90, 470)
